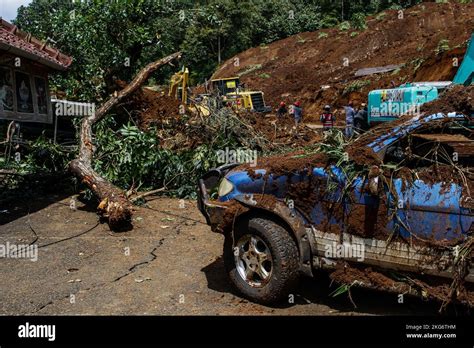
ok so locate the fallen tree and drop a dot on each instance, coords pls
(114, 204)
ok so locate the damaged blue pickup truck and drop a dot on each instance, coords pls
(407, 213)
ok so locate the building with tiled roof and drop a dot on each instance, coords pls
(25, 63)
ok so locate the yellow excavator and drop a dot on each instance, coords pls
(179, 86)
(179, 90)
(229, 91)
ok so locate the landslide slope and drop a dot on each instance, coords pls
(310, 66)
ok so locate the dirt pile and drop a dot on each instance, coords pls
(427, 288)
(281, 131)
(153, 108)
(318, 67)
(286, 164)
(182, 128)
(457, 98)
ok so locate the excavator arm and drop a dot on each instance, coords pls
(179, 84)
(465, 74)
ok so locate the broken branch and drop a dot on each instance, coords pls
(114, 205)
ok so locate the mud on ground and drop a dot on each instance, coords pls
(169, 264)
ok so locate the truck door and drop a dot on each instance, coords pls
(377, 215)
(436, 211)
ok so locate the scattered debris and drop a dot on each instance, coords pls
(422, 155)
(329, 57)
(377, 70)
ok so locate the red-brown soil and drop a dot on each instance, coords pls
(182, 130)
(153, 108)
(428, 288)
(309, 66)
(457, 98)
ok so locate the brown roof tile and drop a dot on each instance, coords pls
(24, 45)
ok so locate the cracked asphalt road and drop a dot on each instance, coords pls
(169, 264)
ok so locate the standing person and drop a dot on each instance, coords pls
(327, 118)
(297, 113)
(360, 119)
(350, 113)
(281, 111)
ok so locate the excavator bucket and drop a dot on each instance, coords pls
(465, 74)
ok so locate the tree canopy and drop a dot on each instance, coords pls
(112, 40)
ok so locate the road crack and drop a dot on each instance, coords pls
(130, 271)
(140, 264)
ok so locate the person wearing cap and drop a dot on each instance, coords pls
(282, 110)
(327, 118)
(350, 113)
(297, 113)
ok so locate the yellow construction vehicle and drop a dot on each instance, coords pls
(179, 90)
(233, 94)
(228, 91)
(179, 86)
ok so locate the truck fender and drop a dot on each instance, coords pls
(294, 220)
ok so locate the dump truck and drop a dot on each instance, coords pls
(386, 105)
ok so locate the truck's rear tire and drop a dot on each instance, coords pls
(263, 261)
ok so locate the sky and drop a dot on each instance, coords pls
(8, 8)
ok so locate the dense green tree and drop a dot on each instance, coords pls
(108, 40)
(112, 40)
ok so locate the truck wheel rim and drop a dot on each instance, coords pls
(253, 260)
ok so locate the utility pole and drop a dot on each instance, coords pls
(219, 48)
(342, 10)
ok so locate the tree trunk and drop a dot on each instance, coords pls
(219, 49)
(113, 203)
